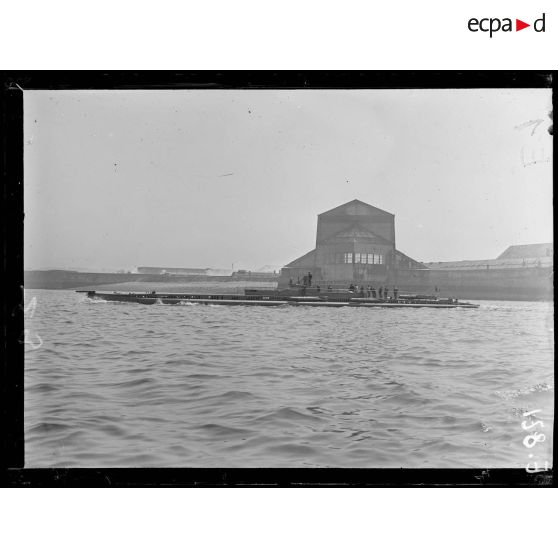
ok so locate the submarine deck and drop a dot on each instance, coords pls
(260, 298)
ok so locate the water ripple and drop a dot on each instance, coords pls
(119, 385)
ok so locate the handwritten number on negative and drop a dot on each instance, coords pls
(531, 439)
(526, 426)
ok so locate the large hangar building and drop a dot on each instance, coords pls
(355, 243)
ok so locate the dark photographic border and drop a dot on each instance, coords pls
(12, 375)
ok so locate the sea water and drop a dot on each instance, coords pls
(128, 385)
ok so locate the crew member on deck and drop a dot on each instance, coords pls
(395, 292)
(373, 292)
(386, 293)
(381, 291)
(309, 279)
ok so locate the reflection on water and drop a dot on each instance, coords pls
(125, 385)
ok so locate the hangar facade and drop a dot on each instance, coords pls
(355, 243)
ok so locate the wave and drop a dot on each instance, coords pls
(521, 392)
(133, 385)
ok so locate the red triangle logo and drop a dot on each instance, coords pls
(519, 25)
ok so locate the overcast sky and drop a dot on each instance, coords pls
(119, 179)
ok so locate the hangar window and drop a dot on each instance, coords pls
(376, 259)
(360, 258)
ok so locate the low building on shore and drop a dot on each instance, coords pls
(183, 271)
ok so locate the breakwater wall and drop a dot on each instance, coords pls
(482, 284)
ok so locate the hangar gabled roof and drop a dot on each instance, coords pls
(303, 260)
(355, 207)
(415, 263)
(356, 232)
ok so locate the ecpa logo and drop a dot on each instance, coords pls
(494, 24)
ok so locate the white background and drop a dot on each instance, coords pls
(272, 34)
(289, 34)
(307, 523)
